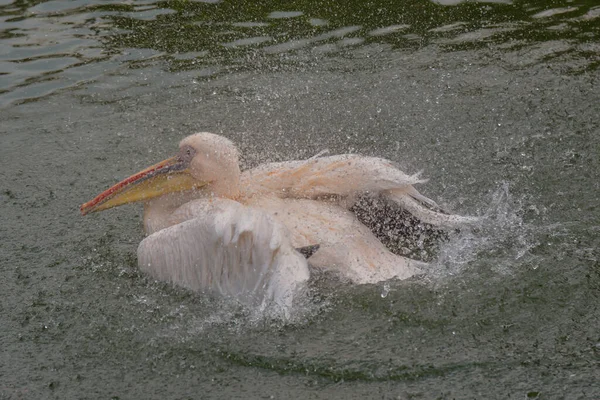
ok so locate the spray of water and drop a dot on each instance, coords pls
(219, 314)
(501, 236)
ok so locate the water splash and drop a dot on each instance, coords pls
(501, 236)
(208, 315)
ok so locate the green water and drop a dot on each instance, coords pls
(496, 102)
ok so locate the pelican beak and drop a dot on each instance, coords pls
(170, 175)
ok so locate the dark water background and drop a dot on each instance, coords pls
(498, 103)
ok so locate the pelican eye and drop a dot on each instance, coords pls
(187, 153)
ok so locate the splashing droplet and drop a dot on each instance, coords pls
(386, 290)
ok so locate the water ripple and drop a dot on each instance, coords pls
(58, 44)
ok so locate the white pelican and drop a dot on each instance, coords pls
(213, 228)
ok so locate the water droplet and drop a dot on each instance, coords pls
(386, 290)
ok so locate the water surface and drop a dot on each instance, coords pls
(496, 101)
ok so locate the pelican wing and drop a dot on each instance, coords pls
(341, 175)
(226, 248)
(346, 176)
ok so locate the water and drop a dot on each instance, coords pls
(495, 101)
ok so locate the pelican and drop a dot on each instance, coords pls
(251, 235)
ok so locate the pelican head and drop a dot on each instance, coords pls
(205, 161)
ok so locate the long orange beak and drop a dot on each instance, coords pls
(170, 175)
